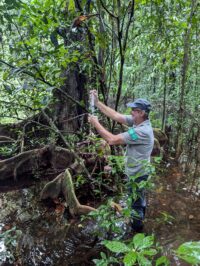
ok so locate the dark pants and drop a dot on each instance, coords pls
(138, 205)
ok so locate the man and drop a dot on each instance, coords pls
(139, 140)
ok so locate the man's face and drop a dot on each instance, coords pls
(138, 115)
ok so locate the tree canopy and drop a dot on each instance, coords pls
(127, 49)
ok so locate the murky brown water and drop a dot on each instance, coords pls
(50, 237)
(173, 213)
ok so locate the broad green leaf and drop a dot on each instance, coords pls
(100, 262)
(143, 261)
(71, 6)
(103, 255)
(162, 261)
(130, 258)
(150, 252)
(138, 240)
(116, 246)
(5, 75)
(190, 252)
(83, 3)
(141, 242)
(147, 242)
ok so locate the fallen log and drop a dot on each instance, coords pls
(34, 161)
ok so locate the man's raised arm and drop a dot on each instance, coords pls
(111, 113)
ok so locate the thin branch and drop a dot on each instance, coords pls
(128, 25)
(27, 48)
(72, 99)
(51, 123)
(21, 105)
(79, 6)
(46, 82)
(122, 48)
(123, 19)
(13, 117)
(105, 8)
(75, 117)
(29, 73)
(97, 66)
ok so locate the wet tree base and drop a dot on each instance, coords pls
(63, 183)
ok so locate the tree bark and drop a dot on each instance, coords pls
(64, 184)
(183, 82)
(36, 161)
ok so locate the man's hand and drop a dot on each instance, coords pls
(105, 134)
(92, 119)
(95, 95)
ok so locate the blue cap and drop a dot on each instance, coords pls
(141, 104)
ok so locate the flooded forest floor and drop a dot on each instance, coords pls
(34, 233)
(173, 212)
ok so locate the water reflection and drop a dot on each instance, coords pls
(53, 238)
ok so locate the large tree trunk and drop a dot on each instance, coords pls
(65, 110)
(67, 113)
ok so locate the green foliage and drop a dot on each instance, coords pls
(80, 180)
(117, 164)
(8, 242)
(165, 218)
(8, 150)
(10, 236)
(116, 246)
(104, 261)
(162, 261)
(139, 251)
(34, 54)
(190, 252)
(107, 220)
